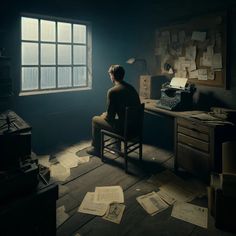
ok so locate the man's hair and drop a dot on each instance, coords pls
(118, 72)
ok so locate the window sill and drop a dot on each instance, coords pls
(52, 91)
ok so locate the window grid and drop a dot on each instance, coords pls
(72, 65)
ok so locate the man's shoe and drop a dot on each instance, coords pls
(93, 151)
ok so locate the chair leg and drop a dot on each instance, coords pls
(140, 151)
(102, 147)
(126, 156)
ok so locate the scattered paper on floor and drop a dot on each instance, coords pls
(114, 212)
(152, 203)
(67, 159)
(190, 213)
(88, 206)
(164, 196)
(83, 159)
(59, 172)
(109, 194)
(61, 215)
(44, 160)
(178, 192)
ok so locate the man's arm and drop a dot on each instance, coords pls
(111, 113)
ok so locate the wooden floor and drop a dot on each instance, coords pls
(135, 220)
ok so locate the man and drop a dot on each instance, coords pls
(120, 96)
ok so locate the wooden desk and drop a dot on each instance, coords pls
(197, 144)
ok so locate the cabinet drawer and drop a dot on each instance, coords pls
(193, 142)
(195, 126)
(194, 161)
(193, 133)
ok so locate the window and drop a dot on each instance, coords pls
(55, 55)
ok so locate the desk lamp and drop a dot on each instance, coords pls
(134, 60)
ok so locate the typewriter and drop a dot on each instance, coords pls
(176, 95)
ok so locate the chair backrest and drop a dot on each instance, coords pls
(133, 126)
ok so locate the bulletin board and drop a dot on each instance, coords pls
(195, 49)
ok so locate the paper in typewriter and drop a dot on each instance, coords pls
(178, 82)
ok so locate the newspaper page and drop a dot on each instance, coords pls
(115, 212)
(152, 203)
(190, 213)
(88, 206)
(109, 194)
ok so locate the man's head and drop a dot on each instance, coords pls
(116, 73)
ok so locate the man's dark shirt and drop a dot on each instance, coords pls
(119, 97)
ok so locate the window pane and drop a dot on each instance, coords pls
(79, 74)
(64, 77)
(64, 54)
(30, 54)
(64, 32)
(29, 78)
(48, 54)
(29, 28)
(48, 77)
(79, 55)
(48, 30)
(79, 33)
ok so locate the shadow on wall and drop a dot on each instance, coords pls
(204, 101)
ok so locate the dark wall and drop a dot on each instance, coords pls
(120, 30)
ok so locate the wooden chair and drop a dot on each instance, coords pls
(132, 135)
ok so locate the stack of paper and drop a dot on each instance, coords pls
(152, 203)
(105, 201)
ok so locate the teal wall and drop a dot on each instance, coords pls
(120, 30)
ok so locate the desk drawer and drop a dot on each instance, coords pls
(193, 133)
(193, 142)
(195, 126)
(193, 160)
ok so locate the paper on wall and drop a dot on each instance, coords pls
(202, 74)
(181, 36)
(190, 213)
(198, 36)
(217, 61)
(193, 74)
(174, 37)
(190, 53)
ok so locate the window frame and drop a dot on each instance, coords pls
(39, 42)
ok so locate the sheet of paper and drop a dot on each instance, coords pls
(193, 74)
(44, 160)
(152, 203)
(181, 36)
(192, 66)
(68, 159)
(191, 213)
(109, 194)
(202, 74)
(88, 206)
(164, 196)
(114, 212)
(198, 36)
(83, 159)
(178, 82)
(204, 116)
(165, 35)
(178, 192)
(217, 61)
(174, 37)
(59, 172)
(211, 75)
(61, 215)
(190, 53)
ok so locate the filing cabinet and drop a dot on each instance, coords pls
(150, 86)
(198, 145)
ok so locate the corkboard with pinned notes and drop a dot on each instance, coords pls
(195, 49)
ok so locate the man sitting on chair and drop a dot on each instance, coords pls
(120, 96)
